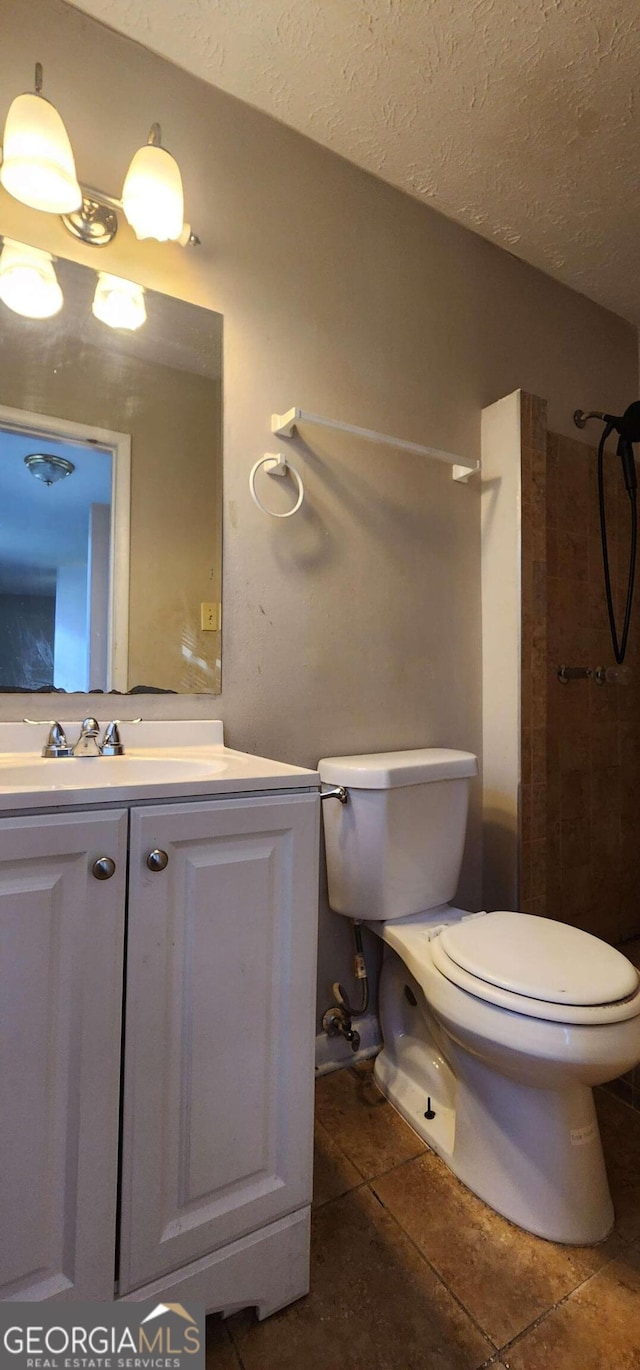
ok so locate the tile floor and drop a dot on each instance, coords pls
(409, 1271)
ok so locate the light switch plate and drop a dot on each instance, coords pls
(210, 616)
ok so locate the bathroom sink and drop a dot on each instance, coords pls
(99, 772)
(179, 759)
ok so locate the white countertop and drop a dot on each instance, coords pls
(163, 761)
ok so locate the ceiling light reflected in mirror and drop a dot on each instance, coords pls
(119, 303)
(48, 468)
(29, 286)
(28, 282)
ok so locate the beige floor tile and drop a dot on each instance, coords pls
(597, 1328)
(620, 1129)
(365, 1127)
(221, 1353)
(374, 1304)
(505, 1277)
(333, 1174)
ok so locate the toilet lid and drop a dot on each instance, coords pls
(538, 958)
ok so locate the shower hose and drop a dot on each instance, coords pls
(619, 643)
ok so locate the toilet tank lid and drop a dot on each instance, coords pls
(386, 770)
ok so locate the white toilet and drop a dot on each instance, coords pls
(495, 1025)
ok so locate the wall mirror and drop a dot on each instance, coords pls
(110, 497)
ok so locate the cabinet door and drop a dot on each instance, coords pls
(61, 939)
(218, 1102)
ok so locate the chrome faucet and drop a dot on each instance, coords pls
(87, 744)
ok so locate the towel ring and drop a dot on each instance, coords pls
(276, 465)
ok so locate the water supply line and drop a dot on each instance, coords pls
(337, 1021)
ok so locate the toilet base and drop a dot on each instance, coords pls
(534, 1155)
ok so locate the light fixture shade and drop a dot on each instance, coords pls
(119, 303)
(48, 468)
(152, 195)
(37, 162)
(28, 283)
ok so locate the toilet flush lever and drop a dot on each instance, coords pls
(338, 793)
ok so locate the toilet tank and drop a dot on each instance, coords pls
(395, 847)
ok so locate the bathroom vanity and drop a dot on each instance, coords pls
(158, 921)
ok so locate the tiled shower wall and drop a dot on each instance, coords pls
(579, 809)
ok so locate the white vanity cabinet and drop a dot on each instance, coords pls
(61, 943)
(212, 1176)
(217, 1136)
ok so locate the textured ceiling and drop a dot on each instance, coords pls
(517, 118)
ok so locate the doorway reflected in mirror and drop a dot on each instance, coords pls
(64, 554)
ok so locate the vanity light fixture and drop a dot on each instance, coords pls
(48, 468)
(28, 282)
(39, 170)
(37, 163)
(119, 303)
(152, 195)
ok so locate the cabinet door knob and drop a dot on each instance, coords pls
(157, 860)
(103, 868)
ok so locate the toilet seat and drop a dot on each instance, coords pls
(537, 967)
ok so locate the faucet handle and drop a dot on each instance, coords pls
(128, 721)
(111, 744)
(57, 744)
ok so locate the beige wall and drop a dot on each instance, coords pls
(173, 418)
(356, 625)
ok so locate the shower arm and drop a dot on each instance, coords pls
(581, 419)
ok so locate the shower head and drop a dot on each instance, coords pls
(629, 425)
